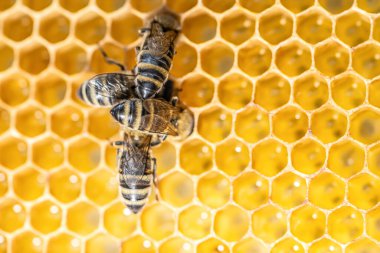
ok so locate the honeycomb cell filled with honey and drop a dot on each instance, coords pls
(284, 156)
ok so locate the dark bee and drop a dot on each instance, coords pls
(154, 57)
(137, 170)
(149, 116)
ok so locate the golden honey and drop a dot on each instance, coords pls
(285, 153)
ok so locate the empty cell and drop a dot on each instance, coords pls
(353, 28)
(138, 244)
(214, 124)
(63, 243)
(157, 221)
(336, 7)
(275, 26)
(288, 245)
(37, 5)
(250, 244)
(231, 223)
(218, 6)
(73, 5)
(177, 189)
(15, 215)
(48, 153)
(6, 4)
(308, 156)
(65, 185)
(18, 26)
(289, 190)
(13, 152)
(101, 243)
(27, 241)
(185, 60)
(297, 6)
(232, 157)
(110, 6)
(46, 216)
(235, 91)
(166, 156)
(119, 220)
(369, 6)
(54, 27)
(84, 154)
(314, 26)
(101, 124)
(254, 58)
(180, 6)
(146, 5)
(124, 28)
(213, 245)
(366, 60)
(325, 245)
(67, 121)
(70, 59)
(82, 218)
(365, 125)
(199, 27)
(29, 184)
(364, 191)
(196, 157)
(34, 58)
(348, 91)
(197, 91)
(331, 58)
(90, 28)
(7, 58)
(14, 89)
(214, 189)
(176, 244)
(257, 6)
(363, 245)
(252, 124)
(31, 121)
(217, 59)
(195, 222)
(237, 27)
(101, 187)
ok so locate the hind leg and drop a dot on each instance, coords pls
(109, 60)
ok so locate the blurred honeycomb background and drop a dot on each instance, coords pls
(285, 157)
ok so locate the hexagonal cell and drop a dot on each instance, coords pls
(197, 91)
(214, 124)
(146, 5)
(314, 26)
(218, 6)
(237, 27)
(254, 58)
(176, 244)
(37, 5)
(373, 159)
(326, 190)
(124, 28)
(297, 7)
(308, 156)
(70, 59)
(102, 242)
(195, 222)
(3, 183)
(235, 91)
(275, 26)
(373, 94)
(353, 28)
(231, 223)
(214, 189)
(348, 91)
(177, 189)
(232, 157)
(196, 157)
(325, 245)
(179, 6)
(328, 124)
(258, 6)
(84, 154)
(13, 152)
(54, 27)
(29, 184)
(82, 218)
(366, 60)
(289, 190)
(65, 185)
(364, 191)
(27, 241)
(217, 59)
(6, 4)
(101, 187)
(90, 28)
(166, 157)
(157, 221)
(50, 90)
(5, 120)
(250, 190)
(269, 157)
(331, 58)
(45, 216)
(7, 56)
(185, 60)
(272, 91)
(307, 223)
(31, 121)
(269, 223)
(288, 245)
(346, 158)
(311, 91)
(119, 220)
(290, 124)
(101, 124)
(369, 6)
(18, 26)
(252, 124)
(67, 121)
(249, 245)
(213, 245)
(34, 58)
(363, 245)
(14, 89)
(372, 222)
(345, 224)
(293, 58)
(73, 5)
(98, 63)
(48, 153)
(364, 126)
(110, 6)
(199, 27)
(64, 242)
(334, 6)
(138, 244)
(15, 215)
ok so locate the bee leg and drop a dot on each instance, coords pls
(109, 60)
(155, 181)
(174, 101)
(143, 30)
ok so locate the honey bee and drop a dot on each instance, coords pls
(155, 55)
(137, 170)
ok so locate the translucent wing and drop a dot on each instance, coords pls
(161, 108)
(116, 85)
(156, 124)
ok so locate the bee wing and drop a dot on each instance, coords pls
(111, 84)
(160, 108)
(156, 124)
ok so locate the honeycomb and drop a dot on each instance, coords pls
(284, 158)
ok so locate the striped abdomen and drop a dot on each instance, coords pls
(89, 95)
(135, 193)
(152, 71)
